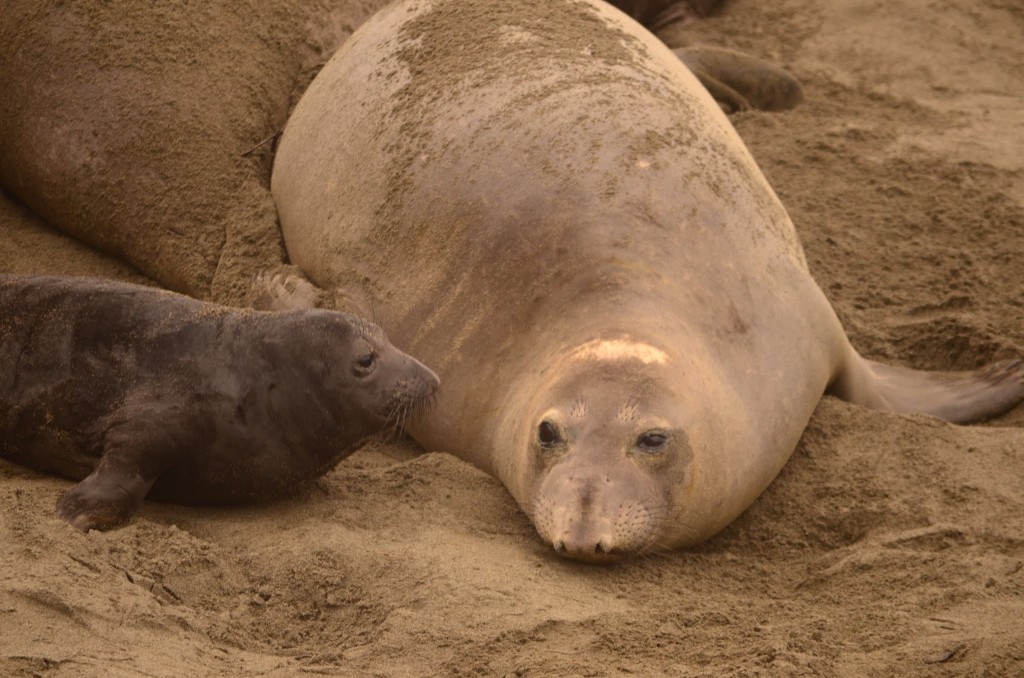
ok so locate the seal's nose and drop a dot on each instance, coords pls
(583, 548)
(425, 380)
(430, 379)
(597, 546)
(578, 514)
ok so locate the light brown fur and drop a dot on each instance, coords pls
(560, 264)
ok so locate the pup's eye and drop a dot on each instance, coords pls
(651, 442)
(364, 364)
(547, 434)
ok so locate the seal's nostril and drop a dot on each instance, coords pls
(600, 548)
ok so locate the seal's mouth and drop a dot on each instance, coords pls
(599, 554)
(407, 400)
(626, 529)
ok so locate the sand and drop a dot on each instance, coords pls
(887, 546)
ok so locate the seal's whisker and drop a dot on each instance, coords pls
(661, 551)
(395, 421)
(398, 425)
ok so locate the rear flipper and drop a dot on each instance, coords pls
(664, 13)
(739, 81)
(959, 397)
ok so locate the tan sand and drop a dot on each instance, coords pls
(888, 545)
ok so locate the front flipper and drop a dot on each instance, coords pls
(739, 81)
(287, 289)
(959, 397)
(106, 498)
(143, 438)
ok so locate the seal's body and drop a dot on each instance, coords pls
(130, 388)
(544, 204)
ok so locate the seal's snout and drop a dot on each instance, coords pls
(591, 529)
(411, 389)
(427, 377)
(419, 382)
(596, 548)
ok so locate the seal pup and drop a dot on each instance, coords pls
(139, 392)
(540, 201)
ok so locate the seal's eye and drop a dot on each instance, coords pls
(547, 434)
(651, 442)
(364, 364)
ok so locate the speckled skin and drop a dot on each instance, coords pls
(139, 392)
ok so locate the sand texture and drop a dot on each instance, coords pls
(888, 545)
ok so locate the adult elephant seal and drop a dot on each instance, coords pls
(133, 391)
(539, 200)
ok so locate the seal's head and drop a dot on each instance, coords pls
(609, 453)
(356, 367)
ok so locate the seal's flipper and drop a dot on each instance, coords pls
(739, 81)
(142, 439)
(283, 290)
(959, 397)
(107, 497)
(287, 289)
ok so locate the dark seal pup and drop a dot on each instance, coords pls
(542, 202)
(140, 392)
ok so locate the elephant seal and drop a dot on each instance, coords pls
(140, 392)
(539, 200)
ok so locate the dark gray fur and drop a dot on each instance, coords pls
(140, 392)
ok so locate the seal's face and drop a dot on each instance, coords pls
(607, 454)
(367, 377)
(398, 382)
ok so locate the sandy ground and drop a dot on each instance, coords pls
(887, 546)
